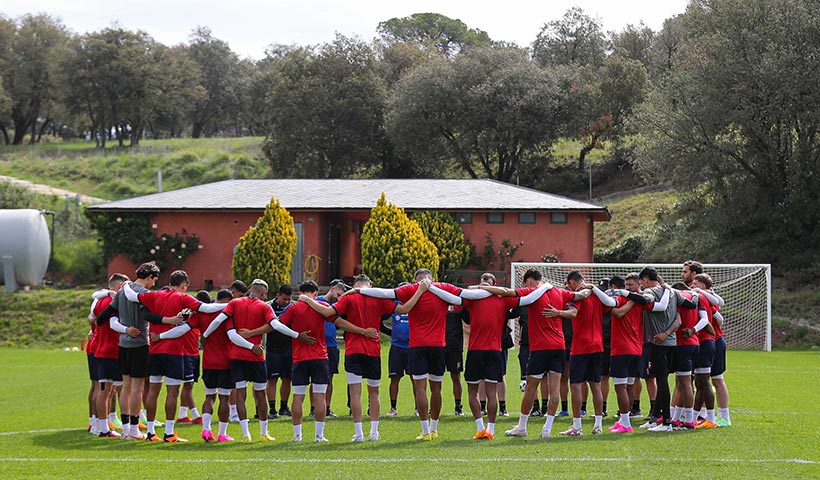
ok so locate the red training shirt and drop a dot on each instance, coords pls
(301, 317)
(627, 331)
(428, 318)
(247, 313)
(106, 341)
(688, 319)
(546, 333)
(216, 352)
(364, 312)
(167, 303)
(587, 327)
(487, 319)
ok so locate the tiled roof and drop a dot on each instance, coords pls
(305, 194)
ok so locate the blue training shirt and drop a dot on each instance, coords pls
(330, 327)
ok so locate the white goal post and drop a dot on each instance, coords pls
(747, 290)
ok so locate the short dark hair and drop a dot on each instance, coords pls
(362, 279)
(425, 272)
(286, 290)
(575, 275)
(204, 297)
(694, 266)
(631, 276)
(488, 277)
(705, 279)
(224, 294)
(680, 286)
(603, 284)
(618, 281)
(649, 273)
(177, 278)
(117, 278)
(239, 286)
(147, 269)
(309, 287)
(338, 283)
(532, 274)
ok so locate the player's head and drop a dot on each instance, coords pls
(115, 281)
(309, 288)
(259, 289)
(224, 296)
(179, 279)
(532, 278)
(238, 289)
(337, 288)
(149, 273)
(617, 281)
(487, 278)
(680, 286)
(632, 282)
(648, 277)
(284, 295)
(574, 280)
(704, 281)
(203, 296)
(362, 281)
(421, 274)
(690, 269)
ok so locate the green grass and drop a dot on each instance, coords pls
(774, 435)
(631, 216)
(117, 173)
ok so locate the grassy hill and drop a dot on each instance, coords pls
(118, 173)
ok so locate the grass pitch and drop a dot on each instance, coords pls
(43, 414)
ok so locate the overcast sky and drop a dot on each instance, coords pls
(249, 26)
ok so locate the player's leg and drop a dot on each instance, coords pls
(436, 367)
(473, 402)
(286, 373)
(721, 390)
(375, 404)
(353, 369)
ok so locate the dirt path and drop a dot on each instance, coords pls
(48, 190)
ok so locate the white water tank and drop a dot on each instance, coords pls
(24, 237)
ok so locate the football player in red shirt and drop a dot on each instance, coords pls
(363, 352)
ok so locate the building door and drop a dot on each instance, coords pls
(297, 272)
(333, 251)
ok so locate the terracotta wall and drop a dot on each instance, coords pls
(219, 232)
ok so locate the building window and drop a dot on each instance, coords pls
(526, 217)
(463, 217)
(558, 217)
(495, 217)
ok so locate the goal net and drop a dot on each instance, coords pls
(745, 288)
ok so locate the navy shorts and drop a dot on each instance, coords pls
(217, 379)
(397, 361)
(191, 368)
(109, 369)
(605, 360)
(364, 366)
(280, 364)
(94, 370)
(624, 366)
(483, 365)
(719, 364)
(706, 355)
(333, 360)
(166, 365)
(134, 361)
(311, 372)
(248, 371)
(645, 359)
(523, 357)
(426, 361)
(686, 358)
(585, 367)
(542, 362)
(454, 361)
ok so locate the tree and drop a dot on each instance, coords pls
(491, 110)
(5, 110)
(736, 125)
(575, 39)
(446, 35)
(394, 247)
(266, 250)
(448, 237)
(220, 74)
(30, 73)
(635, 43)
(325, 112)
(667, 45)
(602, 98)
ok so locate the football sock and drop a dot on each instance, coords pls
(625, 420)
(482, 402)
(433, 425)
(320, 429)
(576, 423)
(206, 421)
(502, 405)
(636, 405)
(374, 427)
(263, 427)
(195, 413)
(169, 427)
(583, 406)
(283, 404)
(563, 405)
(723, 413)
(393, 403)
(479, 424)
(522, 421)
(233, 410)
(297, 430)
(548, 423)
(604, 406)
(425, 427)
(271, 404)
(246, 432)
(183, 412)
(357, 426)
(223, 429)
(599, 421)
(710, 415)
(151, 428)
(491, 428)
(651, 406)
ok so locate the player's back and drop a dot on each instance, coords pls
(302, 318)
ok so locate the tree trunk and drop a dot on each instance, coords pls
(584, 151)
(43, 129)
(6, 138)
(136, 133)
(197, 130)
